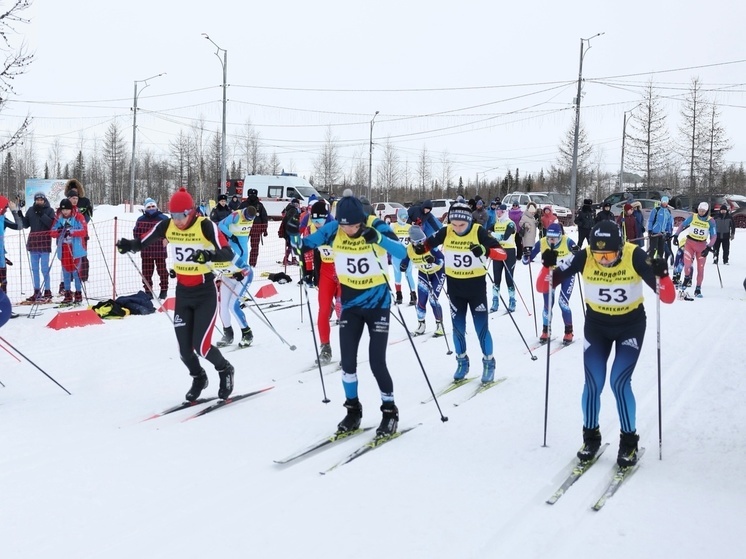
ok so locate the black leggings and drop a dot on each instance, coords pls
(351, 324)
(194, 318)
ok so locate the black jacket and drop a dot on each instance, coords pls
(585, 217)
(39, 219)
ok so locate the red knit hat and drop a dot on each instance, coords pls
(181, 201)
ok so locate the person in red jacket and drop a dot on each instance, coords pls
(613, 272)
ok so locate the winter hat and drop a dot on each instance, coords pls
(249, 212)
(587, 202)
(724, 207)
(72, 192)
(515, 205)
(703, 206)
(181, 201)
(402, 214)
(427, 205)
(39, 196)
(664, 199)
(531, 210)
(319, 210)
(627, 207)
(607, 204)
(350, 209)
(605, 237)
(554, 231)
(416, 234)
(66, 204)
(502, 207)
(222, 197)
(312, 198)
(480, 203)
(460, 212)
(149, 202)
(3, 203)
(547, 209)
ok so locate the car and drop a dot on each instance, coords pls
(648, 205)
(635, 193)
(441, 207)
(564, 215)
(683, 202)
(387, 210)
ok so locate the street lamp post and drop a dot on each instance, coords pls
(624, 136)
(134, 136)
(370, 159)
(224, 63)
(574, 172)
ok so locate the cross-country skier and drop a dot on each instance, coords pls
(701, 236)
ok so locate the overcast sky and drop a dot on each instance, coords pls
(490, 84)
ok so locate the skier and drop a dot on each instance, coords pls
(563, 245)
(430, 279)
(70, 230)
(464, 245)
(318, 269)
(359, 243)
(504, 232)
(237, 275)
(701, 227)
(613, 273)
(196, 241)
(401, 230)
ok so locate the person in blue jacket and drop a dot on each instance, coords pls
(660, 228)
(422, 214)
(360, 243)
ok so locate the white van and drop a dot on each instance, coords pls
(276, 191)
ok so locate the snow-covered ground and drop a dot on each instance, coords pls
(81, 476)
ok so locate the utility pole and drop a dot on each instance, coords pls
(224, 63)
(134, 136)
(370, 159)
(574, 172)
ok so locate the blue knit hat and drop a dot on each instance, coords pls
(554, 230)
(349, 209)
(149, 202)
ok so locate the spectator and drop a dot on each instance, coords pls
(726, 230)
(628, 224)
(640, 219)
(259, 227)
(491, 215)
(547, 218)
(605, 214)
(479, 215)
(660, 228)
(235, 203)
(70, 230)
(515, 214)
(584, 219)
(153, 257)
(82, 205)
(39, 218)
(527, 226)
(5, 223)
(421, 214)
(291, 213)
(221, 210)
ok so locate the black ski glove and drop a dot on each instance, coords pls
(128, 245)
(477, 250)
(371, 235)
(429, 259)
(527, 252)
(660, 267)
(549, 258)
(675, 240)
(202, 256)
(419, 248)
(706, 251)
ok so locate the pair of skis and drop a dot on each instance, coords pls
(450, 387)
(327, 442)
(620, 475)
(211, 408)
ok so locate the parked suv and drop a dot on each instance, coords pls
(387, 210)
(621, 196)
(541, 200)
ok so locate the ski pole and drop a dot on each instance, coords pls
(9, 353)
(266, 321)
(443, 418)
(432, 297)
(533, 299)
(582, 299)
(550, 303)
(717, 267)
(6, 342)
(315, 344)
(658, 342)
(103, 256)
(515, 285)
(502, 300)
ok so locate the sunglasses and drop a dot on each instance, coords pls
(180, 216)
(605, 256)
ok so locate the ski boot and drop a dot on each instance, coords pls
(412, 298)
(399, 298)
(389, 421)
(247, 336)
(511, 299)
(715, 259)
(47, 297)
(567, 338)
(488, 369)
(420, 328)
(78, 297)
(438, 330)
(591, 444)
(627, 449)
(68, 298)
(227, 338)
(35, 297)
(698, 292)
(687, 281)
(62, 289)
(199, 383)
(163, 294)
(495, 299)
(676, 279)
(463, 367)
(544, 338)
(325, 354)
(226, 381)
(351, 421)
